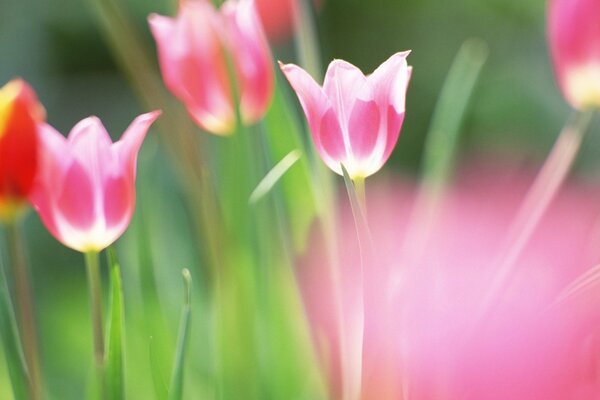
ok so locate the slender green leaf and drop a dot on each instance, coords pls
(161, 390)
(443, 135)
(176, 386)
(115, 385)
(283, 135)
(12, 345)
(274, 175)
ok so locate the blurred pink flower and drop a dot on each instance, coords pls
(574, 36)
(192, 51)
(85, 189)
(278, 17)
(354, 120)
(423, 338)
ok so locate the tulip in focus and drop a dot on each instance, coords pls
(193, 51)
(85, 190)
(423, 338)
(20, 112)
(354, 120)
(574, 36)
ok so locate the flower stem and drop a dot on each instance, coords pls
(95, 290)
(359, 187)
(24, 300)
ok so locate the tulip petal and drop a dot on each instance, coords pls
(252, 57)
(90, 144)
(343, 84)
(119, 199)
(363, 129)
(312, 98)
(193, 64)
(76, 199)
(394, 124)
(128, 146)
(331, 143)
(54, 160)
(390, 81)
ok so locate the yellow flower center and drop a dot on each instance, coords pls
(583, 86)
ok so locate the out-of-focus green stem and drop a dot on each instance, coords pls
(307, 47)
(92, 263)
(11, 343)
(450, 111)
(26, 315)
(359, 187)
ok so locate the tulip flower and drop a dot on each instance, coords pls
(20, 111)
(354, 119)
(574, 37)
(193, 51)
(85, 189)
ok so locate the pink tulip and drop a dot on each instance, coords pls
(354, 120)
(192, 52)
(574, 36)
(85, 189)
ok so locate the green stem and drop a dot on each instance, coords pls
(92, 262)
(359, 187)
(24, 300)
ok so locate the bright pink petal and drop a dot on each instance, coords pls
(363, 129)
(331, 144)
(90, 144)
(250, 50)
(390, 81)
(76, 200)
(312, 98)
(193, 64)
(394, 124)
(119, 202)
(128, 146)
(54, 160)
(343, 84)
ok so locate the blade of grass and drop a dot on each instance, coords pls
(114, 375)
(301, 197)
(11, 343)
(450, 111)
(161, 391)
(274, 175)
(176, 386)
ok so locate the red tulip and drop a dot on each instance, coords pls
(20, 111)
(574, 36)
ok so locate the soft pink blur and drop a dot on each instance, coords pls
(193, 49)
(354, 120)
(574, 36)
(423, 339)
(85, 189)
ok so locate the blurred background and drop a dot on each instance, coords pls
(56, 45)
